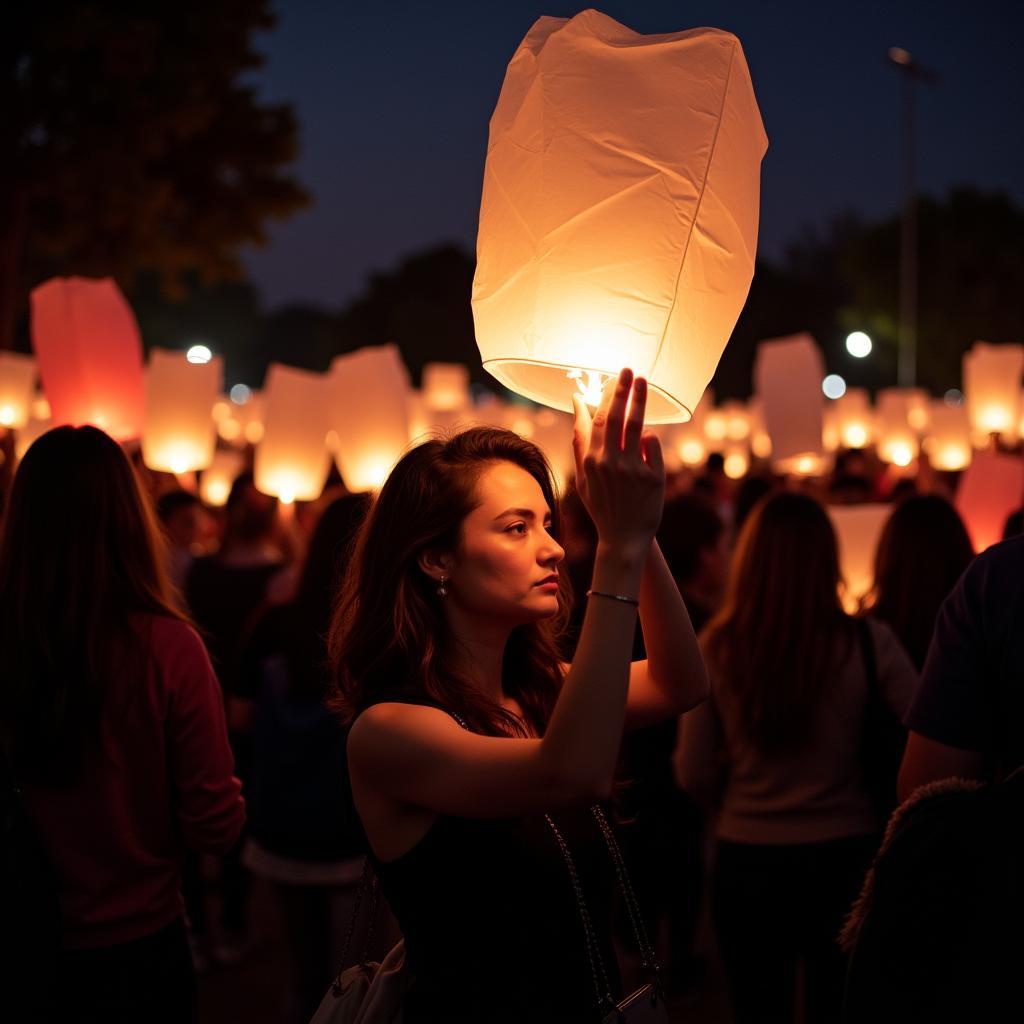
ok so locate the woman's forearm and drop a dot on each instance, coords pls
(674, 662)
(583, 736)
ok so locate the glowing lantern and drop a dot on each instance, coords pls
(240, 423)
(292, 460)
(760, 442)
(180, 435)
(736, 462)
(716, 428)
(830, 427)
(17, 381)
(787, 376)
(992, 378)
(618, 222)
(897, 441)
(90, 355)
(737, 421)
(688, 441)
(990, 489)
(552, 433)
(216, 480)
(446, 387)
(854, 418)
(369, 412)
(858, 528)
(918, 406)
(948, 442)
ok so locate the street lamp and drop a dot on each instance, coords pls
(906, 371)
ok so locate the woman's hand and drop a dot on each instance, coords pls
(620, 473)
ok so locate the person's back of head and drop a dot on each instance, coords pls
(922, 552)
(692, 538)
(250, 516)
(389, 633)
(781, 628)
(80, 553)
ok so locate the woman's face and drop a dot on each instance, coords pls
(507, 563)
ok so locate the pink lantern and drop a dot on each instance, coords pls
(990, 489)
(87, 343)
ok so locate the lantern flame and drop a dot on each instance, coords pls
(7, 416)
(592, 389)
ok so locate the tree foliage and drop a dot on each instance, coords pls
(132, 142)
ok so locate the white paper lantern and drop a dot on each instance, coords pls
(787, 376)
(218, 477)
(179, 435)
(369, 412)
(897, 441)
(854, 418)
(618, 223)
(858, 529)
(292, 460)
(17, 383)
(736, 463)
(948, 441)
(446, 387)
(992, 386)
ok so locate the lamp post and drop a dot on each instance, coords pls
(906, 366)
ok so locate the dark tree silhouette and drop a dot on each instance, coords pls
(130, 141)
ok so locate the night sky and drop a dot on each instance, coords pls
(393, 103)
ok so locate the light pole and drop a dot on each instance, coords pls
(906, 365)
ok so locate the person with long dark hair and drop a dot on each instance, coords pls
(923, 550)
(474, 752)
(778, 752)
(112, 723)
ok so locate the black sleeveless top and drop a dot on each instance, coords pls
(491, 924)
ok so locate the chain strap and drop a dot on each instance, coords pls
(602, 988)
(636, 920)
(367, 883)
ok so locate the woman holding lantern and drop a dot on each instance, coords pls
(475, 753)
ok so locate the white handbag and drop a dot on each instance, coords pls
(368, 993)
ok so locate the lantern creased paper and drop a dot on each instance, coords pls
(618, 223)
(292, 460)
(90, 355)
(180, 434)
(787, 377)
(17, 382)
(369, 411)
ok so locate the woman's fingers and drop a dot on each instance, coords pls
(617, 412)
(635, 418)
(581, 429)
(599, 423)
(650, 446)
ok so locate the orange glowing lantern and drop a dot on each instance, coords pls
(17, 383)
(180, 435)
(948, 442)
(90, 355)
(992, 385)
(370, 414)
(854, 418)
(446, 387)
(216, 480)
(990, 489)
(737, 460)
(760, 442)
(787, 375)
(552, 433)
(292, 460)
(858, 529)
(897, 441)
(618, 223)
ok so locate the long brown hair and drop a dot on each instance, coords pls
(80, 552)
(923, 550)
(781, 630)
(389, 637)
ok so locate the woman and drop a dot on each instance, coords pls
(451, 608)
(112, 721)
(923, 551)
(778, 752)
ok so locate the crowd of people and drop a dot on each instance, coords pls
(465, 679)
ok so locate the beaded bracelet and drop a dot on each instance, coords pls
(614, 597)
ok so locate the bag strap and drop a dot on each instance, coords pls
(368, 884)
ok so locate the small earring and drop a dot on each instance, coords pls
(442, 590)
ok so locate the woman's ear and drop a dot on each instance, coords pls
(436, 563)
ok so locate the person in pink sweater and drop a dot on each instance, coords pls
(112, 722)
